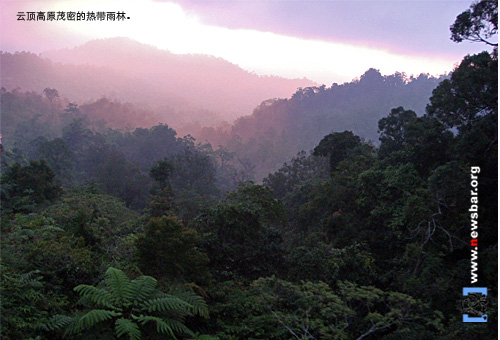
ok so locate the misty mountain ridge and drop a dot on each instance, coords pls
(203, 81)
(279, 128)
(183, 89)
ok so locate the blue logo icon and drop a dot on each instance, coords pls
(474, 304)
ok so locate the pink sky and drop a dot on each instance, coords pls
(327, 41)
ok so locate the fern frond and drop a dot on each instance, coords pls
(165, 304)
(162, 326)
(93, 317)
(31, 279)
(198, 304)
(125, 326)
(55, 322)
(142, 289)
(117, 282)
(71, 328)
(96, 295)
(178, 326)
(51, 228)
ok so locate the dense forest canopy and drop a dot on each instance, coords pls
(113, 231)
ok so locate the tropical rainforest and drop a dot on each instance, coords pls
(338, 213)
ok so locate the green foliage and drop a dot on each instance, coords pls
(319, 260)
(161, 172)
(260, 200)
(302, 310)
(194, 170)
(392, 130)
(383, 312)
(162, 200)
(469, 96)
(198, 336)
(56, 322)
(97, 296)
(147, 146)
(337, 146)
(469, 103)
(27, 304)
(170, 251)
(161, 203)
(272, 308)
(58, 155)
(102, 221)
(26, 116)
(134, 308)
(33, 183)
(239, 243)
(127, 327)
(301, 170)
(35, 242)
(92, 318)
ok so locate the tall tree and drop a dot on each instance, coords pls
(337, 146)
(470, 95)
(29, 184)
(170, 251)
(478, 24)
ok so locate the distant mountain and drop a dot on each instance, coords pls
(87, 83)
(279, 128)
(204, 81)
(183, 89)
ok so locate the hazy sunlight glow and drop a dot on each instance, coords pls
(168, 26)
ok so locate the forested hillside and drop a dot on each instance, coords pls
(139, 233)
(279, 128)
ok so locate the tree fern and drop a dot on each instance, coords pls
(135, 303)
